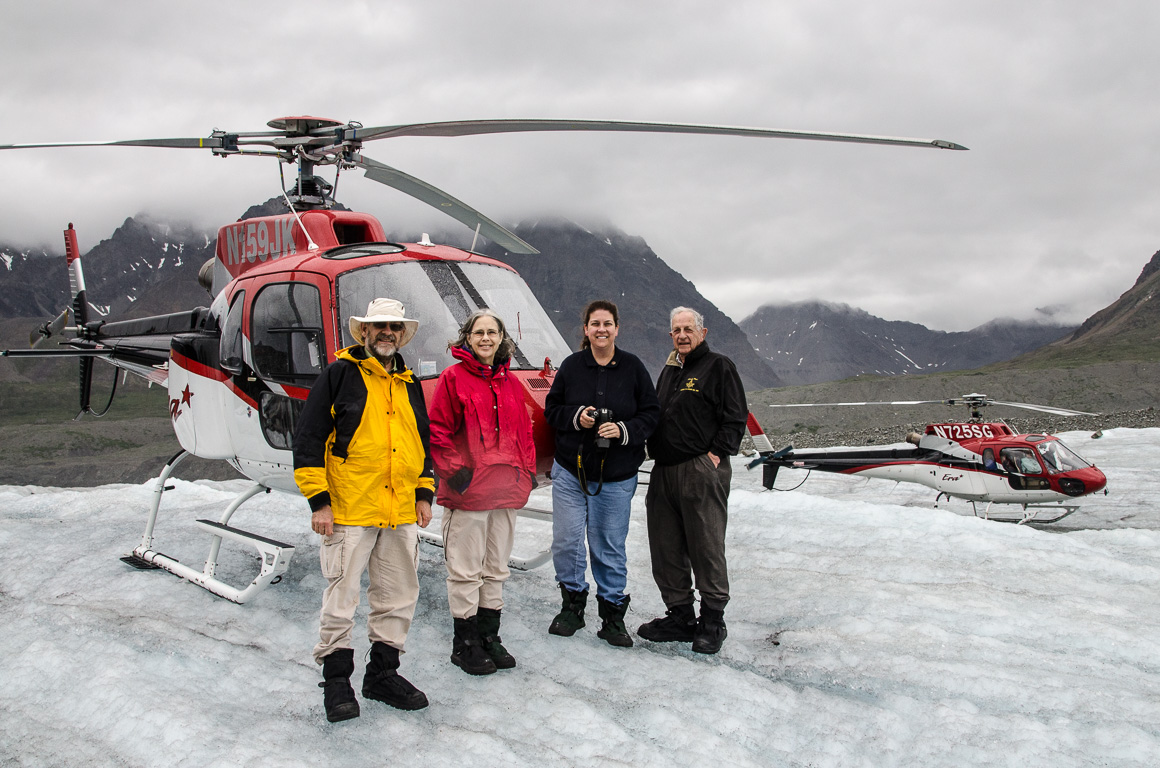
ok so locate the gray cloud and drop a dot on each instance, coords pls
(1055, 204)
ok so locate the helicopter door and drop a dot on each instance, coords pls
(1023, 469)
(287, 352)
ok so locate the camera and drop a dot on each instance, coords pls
(601, 416)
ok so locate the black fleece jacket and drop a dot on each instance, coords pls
(625, 387)
(702, 408)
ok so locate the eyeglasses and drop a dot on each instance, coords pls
(490, 333)
(396, 327)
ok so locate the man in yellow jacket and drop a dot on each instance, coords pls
(362, 458)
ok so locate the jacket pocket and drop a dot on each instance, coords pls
(332, 555)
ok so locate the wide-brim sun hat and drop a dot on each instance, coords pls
(385, 311)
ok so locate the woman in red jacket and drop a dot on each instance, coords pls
(481, 443)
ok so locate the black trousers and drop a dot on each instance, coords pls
(687, 513)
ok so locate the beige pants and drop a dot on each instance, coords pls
(391, 555)
(476, 548)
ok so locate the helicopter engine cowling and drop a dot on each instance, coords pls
(205, 275)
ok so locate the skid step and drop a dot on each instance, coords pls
(139, 562)
(273, 555)
(218, 529)
(275, 559)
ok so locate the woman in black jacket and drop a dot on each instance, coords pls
(604, 407)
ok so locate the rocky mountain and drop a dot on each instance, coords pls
(143, 268)
(1109, 366)
(1126, 330)
(26, 287)
(811, 342)
(577, 265)
(147, 268)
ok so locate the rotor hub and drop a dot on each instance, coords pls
(302, 125)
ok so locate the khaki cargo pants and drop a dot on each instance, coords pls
(391, 556)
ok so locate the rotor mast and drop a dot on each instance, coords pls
(306, 142)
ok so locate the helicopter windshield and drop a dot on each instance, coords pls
(441, 294)
(1057, 457)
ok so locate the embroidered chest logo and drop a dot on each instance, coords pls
(690, 385)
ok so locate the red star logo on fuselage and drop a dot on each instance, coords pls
(186, 396)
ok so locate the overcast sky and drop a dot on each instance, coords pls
(1055, 205)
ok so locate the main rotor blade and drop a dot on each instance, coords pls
(211, 142)
(1044, 409)
(440, 200)
(476, 127)
(984, 401)
(877, 402)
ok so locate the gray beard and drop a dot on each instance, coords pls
(384, 359)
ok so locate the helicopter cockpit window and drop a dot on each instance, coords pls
(1021, 460)
(441, 294)
(1057, 457)
(1025, 474)
(286, 333)
(230, 349)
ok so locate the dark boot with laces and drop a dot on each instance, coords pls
(382, 681)
(337, 695)
(488, 621)
(678, 625)
(711, 630)
(571, 615)
(612, 629)
(467, 649)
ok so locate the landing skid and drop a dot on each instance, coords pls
(275, 555)
(1031, 512)
(516, 562)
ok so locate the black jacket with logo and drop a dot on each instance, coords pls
(702, 408)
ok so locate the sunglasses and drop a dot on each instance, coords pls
(396, 327)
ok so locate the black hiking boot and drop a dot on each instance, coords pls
(488, 621)
(337, 695)
(382, 681)
(678, 625)
(467, 649)
(612, 627)
(711, 630)
(571, 615)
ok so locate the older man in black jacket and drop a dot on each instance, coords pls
(703, 413)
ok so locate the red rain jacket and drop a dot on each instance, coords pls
(480, 420)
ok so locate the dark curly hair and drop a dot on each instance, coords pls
(599, 304)
(503, 351)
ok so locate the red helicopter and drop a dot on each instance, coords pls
(980, 462)
(239, 371)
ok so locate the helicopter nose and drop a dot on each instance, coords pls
(1095, 479)
(1081, 482)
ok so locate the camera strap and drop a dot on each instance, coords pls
(582, 477)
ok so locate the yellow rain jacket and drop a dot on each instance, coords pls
(362, 444)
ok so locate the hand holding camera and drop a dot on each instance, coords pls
(606, 427)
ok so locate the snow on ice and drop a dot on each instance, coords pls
(865, 629)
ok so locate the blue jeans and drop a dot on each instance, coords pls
(605, 516)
